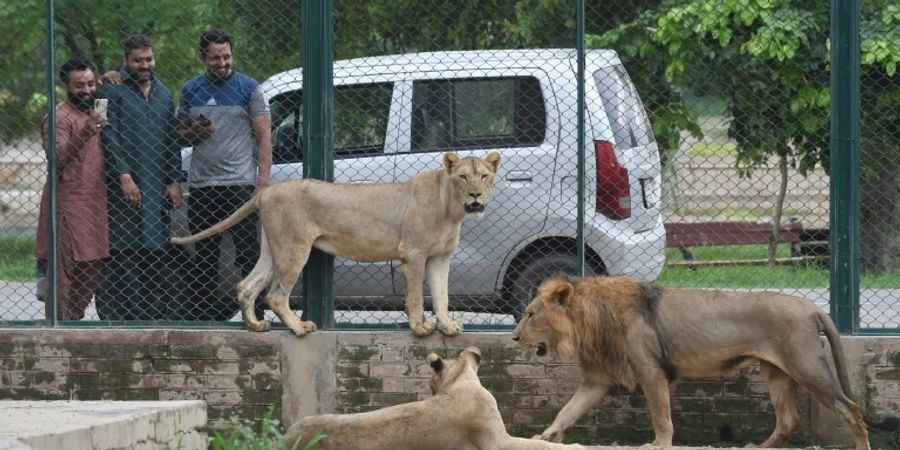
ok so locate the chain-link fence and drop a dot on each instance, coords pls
(706, 148)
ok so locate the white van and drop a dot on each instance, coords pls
(394, 116)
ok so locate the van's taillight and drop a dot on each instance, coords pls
(613, 190)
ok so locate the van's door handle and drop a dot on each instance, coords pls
(518, 176)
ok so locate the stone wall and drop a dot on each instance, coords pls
(243, 374)
(237, 373)
(379, 370)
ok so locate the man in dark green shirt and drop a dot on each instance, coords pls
(143, 161)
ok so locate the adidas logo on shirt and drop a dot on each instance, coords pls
(211, 102)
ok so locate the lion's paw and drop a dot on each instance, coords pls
(549, 436)
(422, 328)
(449, 328)
(304, 328)
(259, 326)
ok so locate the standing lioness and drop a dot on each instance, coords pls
(416, 222)
(624, 332)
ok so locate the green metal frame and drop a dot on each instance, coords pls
(579, 48)
(844, 211)
(318, 132)
(52, 263)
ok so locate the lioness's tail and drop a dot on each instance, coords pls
(837, 351)
(245, 210)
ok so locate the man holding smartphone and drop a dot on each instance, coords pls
(223, 115)
(144, 167)
(82, 233)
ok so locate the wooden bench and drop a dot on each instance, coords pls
(804, 242)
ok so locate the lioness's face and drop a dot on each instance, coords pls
(444, 372)
(546, 326)
(472, 178)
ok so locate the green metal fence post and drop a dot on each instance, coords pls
(844, 211)
(579, 44)
(318, 162)
(52, 262)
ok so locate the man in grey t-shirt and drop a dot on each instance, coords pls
(224, 116)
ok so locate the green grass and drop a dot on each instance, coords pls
(784, 276)
(707, 149)
(725, 252)
(17, 260)
(241, 435)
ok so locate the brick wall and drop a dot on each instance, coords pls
(237, 373)
(243, 374)
(378, 370)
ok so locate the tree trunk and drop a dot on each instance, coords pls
(879, 218)
(779, 209)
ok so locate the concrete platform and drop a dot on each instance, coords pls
(102, 425)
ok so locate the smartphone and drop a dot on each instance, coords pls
(100, 105)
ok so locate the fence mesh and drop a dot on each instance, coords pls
(706, 147)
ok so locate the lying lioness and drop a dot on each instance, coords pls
(624, 332)
(416, 222)
(461, 415)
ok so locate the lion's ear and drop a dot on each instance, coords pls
(493, 160)
(561, 293)
(436, 363)
(475, 352)
(451, 159)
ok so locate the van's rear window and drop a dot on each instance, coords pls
(623, 107)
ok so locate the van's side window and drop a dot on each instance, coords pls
(477, 113)
(360, 122)
(360, 119)
(286, 110)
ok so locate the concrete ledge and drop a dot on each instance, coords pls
(102, 425)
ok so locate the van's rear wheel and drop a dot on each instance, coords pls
(524, 286)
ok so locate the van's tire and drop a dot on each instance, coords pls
(529, 277)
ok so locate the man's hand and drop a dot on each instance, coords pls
(130, 191)
(93, 124)
(193, 130)
(202, 127)
(173, 194)
(112, 77)
(261, 183)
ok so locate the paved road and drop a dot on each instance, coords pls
(18, 302)
(880, 308)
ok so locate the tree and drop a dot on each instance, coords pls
(771, 61)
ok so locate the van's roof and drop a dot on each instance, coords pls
(451, 60)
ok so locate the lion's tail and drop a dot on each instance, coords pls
(837, 351)
(245, 210)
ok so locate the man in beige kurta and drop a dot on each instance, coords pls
(83, 232)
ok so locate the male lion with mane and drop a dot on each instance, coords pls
(624, 332)
(416, 222)
(460, 415)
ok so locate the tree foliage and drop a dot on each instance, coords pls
(770, 60)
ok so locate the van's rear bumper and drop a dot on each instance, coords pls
(641, 255)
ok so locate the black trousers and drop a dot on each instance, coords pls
(206, 207)
(133, 286)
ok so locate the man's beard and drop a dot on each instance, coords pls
(83, 103)
(141, 77)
